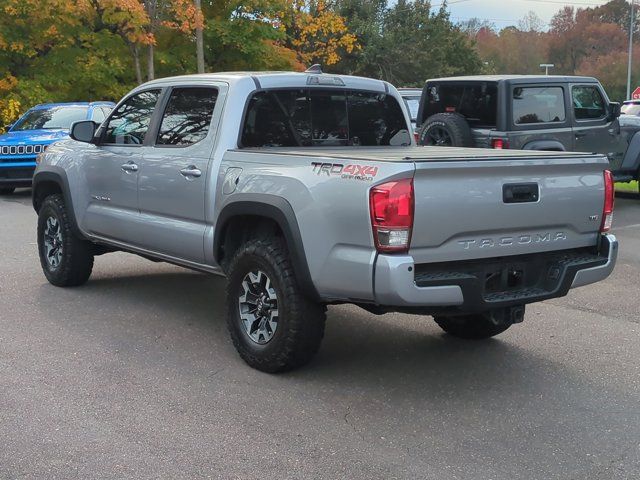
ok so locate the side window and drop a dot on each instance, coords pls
(538, 105)
(187, 117)
(588, 103)
(130, 121)
(413, 104)
(97, 115)
(374, 118)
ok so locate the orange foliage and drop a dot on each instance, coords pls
(319, 34)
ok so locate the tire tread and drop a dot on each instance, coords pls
(77, 260)
(305, 319)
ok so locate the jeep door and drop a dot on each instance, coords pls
(111, 170)
(593, 128)
(174, 172)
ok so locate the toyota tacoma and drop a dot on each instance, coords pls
(307, 189)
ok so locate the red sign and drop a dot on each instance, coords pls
(636, 94)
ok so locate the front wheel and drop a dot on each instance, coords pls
(66, 260)
(482, 325)
(274, 327)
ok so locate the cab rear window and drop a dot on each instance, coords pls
(323, 117)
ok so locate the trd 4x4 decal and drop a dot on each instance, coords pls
(352, 171)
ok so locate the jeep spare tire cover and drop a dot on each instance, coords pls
(446, 130)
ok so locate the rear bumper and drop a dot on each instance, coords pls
(492, 283)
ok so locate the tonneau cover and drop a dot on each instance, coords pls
(422, 154)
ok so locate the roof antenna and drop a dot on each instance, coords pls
(315, 68)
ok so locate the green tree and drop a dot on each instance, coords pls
(415, 44)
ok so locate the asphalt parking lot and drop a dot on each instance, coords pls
(133, 376)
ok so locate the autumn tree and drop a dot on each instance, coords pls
(66, 49)
(318, 34)
(247, 35)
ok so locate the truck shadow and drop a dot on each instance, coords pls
(393, 354)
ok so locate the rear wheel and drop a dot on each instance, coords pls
(274, 327)
(66, 260)
(7, 190)
(482, 325)
(446, 130)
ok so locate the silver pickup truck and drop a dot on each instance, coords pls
(307, 189)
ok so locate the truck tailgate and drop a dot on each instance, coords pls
(470, 208)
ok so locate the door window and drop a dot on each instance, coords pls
(187, 116)
(588, 103)
(413, 104)
(130, 121)
(538, 105)
(316, 117)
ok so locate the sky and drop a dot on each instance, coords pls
(507, 12)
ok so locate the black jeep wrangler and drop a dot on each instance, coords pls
(530, 113)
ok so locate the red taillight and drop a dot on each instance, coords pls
(499, 144)
(609, 200)
(391, 206)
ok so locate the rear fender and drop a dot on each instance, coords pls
(279, 210)
(631, 162)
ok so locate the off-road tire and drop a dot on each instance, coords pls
(7, 190)
(474, 327)
(454, 124)
(300, 326)
(77, 256)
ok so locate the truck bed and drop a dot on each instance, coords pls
(461, 207)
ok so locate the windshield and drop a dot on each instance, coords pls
(631, 108)
(51, 118)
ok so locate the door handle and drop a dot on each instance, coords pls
(520, 193)
(580, 134)
(191, 171)
(129, 167)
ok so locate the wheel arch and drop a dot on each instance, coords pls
(548, 145)
(265, 208)
(47, 183)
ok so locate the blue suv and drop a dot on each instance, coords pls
(32, 133)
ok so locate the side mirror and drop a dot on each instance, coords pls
(10, 126)
(83, 131)
(614, 109)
